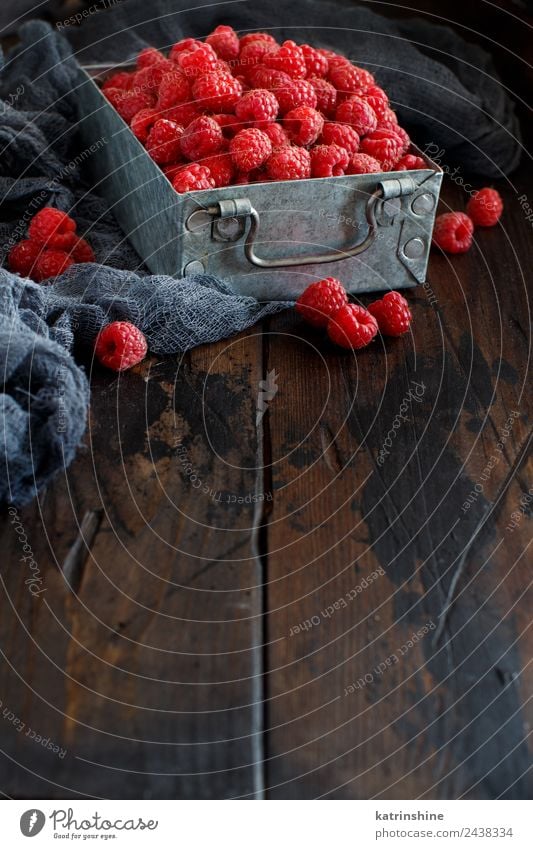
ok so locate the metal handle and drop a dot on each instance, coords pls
(240, 207)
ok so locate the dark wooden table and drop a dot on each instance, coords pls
(232, 610)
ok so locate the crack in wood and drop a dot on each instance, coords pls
(74, 562)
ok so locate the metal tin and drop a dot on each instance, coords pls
(269, 240)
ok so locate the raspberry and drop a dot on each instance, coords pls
(174, 89)
(22, 257)
(303, 125)
(151, 77)
(51, 263)
(268, 78)
(128, 103)
(252, 55)
(341, 134)
(193, 178)
(220, 168)
(321, 300)
(362, 163)
(326, 96)
(123, 80)
(349, 78)
(82, 252)
(288, 58)
(289, 163)
(120, 345)
(258, 36)
(376, 97)
(229, 124)
(201, 60)
(186, 45)
(182, 114)
(388, 119)
(217, 92)
(383, 145)
(409, 162)
(249, 149)
(277, 135)
(392, 314)
(404, 138)
(149, 56)
(485, 208)
(52, 228)
(164, 141)
(358, 114)
(296, 93)
(328, 160)
(259, 106)
(316, 63)
(453, 232)
(225, 42)
(202, 137)
(352, 327)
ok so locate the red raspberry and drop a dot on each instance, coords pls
(151, 77)
(384, 145)
(349, 78)
(82, 252)
(22, 257)
(201, 60)
(182, 114)
(321, 300)
(51, 264)
(352, 327)
(252, 55)
(174, 89)
(485, 208)
(362, 163)
(316, 63)
(453, 232)
(217, 92)
(392, 314)
(289, 163)
(328, 160)
(358, 114)
(303, 125)
(375, 96)
(261, 77)
(52, 228)
(296, 93)
(123, 80)
(128, 103)
(225, 42)
(259, 106)
(220, 168)
(326, 96)
(388, 119)
(120, 345)
(193, 178)
(341, 134)
(249, 149)
(142, 123)
(404, 138)
(229, 124)
(202, 137)
(277, 135)
(258, 36)
(164, 141)
(409, 162)
(149, 56)
(288, 58)
(185, 45)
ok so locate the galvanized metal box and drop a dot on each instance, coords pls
(269, 240)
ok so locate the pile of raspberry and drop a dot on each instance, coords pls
(230, 110)
(52, 246)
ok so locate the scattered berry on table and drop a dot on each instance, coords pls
(193, 178)
(22, 257)
(453, 232)
(52, 228)
(51, 263)
(120, 345)
(321, 300)
(249, 149)
(485, 208)
(392, 314)
(352, 327)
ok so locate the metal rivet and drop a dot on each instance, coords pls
(198, 219)
(228, 229)
(423, 204)
(194, 267)
(414, 248)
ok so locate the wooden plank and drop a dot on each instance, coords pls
(147, 673)
(353, 710)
